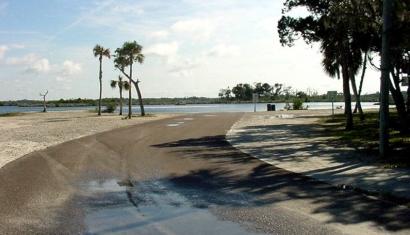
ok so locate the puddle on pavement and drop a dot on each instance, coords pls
(148, 208)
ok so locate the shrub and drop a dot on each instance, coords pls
(297, 104)
(110, 107)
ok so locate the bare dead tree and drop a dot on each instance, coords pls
(44, 101)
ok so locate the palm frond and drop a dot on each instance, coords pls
(106, 53)
(97, 50)
(126, 85)
(113, 83)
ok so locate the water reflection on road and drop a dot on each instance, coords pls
(152, 207)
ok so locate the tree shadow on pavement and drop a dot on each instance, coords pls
(261, 184)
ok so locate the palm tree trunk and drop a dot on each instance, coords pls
(408, 102)
(139, 98)
(364, 67)
(100, 78)
(400, 105)
(347, 98)
(385, 79)
(129, 95)
(120, 86)
(357, 96)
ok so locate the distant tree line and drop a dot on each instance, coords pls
(278, 92)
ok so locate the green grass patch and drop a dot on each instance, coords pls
(365, 136)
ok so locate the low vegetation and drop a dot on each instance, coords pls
(110, 107)
(364, 137)
(297, 104)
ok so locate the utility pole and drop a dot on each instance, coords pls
(388, 6)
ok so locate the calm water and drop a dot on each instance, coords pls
(197, 108)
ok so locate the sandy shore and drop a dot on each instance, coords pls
(23, 134)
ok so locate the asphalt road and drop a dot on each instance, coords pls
(177, 176)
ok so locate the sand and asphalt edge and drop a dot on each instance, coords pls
(372, 194)
(22, 157)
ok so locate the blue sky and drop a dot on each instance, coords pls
(192, 47)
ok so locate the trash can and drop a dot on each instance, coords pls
(271, 107)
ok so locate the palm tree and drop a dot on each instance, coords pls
(100, 52)
(125, 56)
(121, 85)
(335, 63)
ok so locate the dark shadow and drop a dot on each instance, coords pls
(243, 181)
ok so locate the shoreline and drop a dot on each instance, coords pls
(33, 131)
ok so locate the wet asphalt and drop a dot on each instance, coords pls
(177, 176)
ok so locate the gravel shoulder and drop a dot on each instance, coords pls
(30, 132)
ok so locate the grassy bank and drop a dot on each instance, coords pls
(365, 135)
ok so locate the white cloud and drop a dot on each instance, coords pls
(17, 46)
(3, 49)
(184, 68)
(39, 66)
(25, 60)
(70, 68)
(198, 29)
(223, 50)
(160, 34)
(162, 49)
(35, 64)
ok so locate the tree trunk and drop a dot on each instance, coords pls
(129, 95)
(356, 94)
(400, 106)
(44, 104)
(120, 86)
(385, 79)
(347, 98)
(364, 67)
(139, 98)
(408, 101)
(100, 78)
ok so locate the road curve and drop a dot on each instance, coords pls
(177, 176)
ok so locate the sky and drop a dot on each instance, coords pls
(192, 48)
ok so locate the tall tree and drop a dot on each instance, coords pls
(388, 6)
(125, 56)
(243, 91)
(100, 52)
(122, 85)
(333, 24)
(398, 53)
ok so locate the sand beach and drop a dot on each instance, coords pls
(28, 132)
